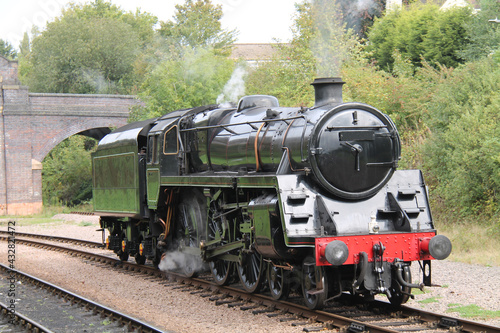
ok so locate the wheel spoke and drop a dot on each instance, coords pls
(190, 220)
(221, 269)
(278, 286)
(250, 273)
(311, 273)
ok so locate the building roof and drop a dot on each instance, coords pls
(253, 51)
(459, 3)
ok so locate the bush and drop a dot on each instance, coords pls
(463, 154)
(196, 78)
(67, 172)
(403, 98)
(420, 31)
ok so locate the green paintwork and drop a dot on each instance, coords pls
(116, 183)
(221, 181)
(153, 181)
(261, 223)
(211, 251)
(246, 227)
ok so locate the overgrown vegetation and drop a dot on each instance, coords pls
(67, 172)
(6, 50)
(463, 150)
(446, 108)
(92, 48)
(435, 72)
(420, 32)
(188, 64)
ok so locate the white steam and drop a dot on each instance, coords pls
(364, 4)
(179, 261)
(332, 42)
(96, 80)
(235, 87)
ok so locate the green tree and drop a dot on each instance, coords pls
(402, 97)
(24, 58)
(196, 24)
(320, 44)
(67, 172)
(447, 36)
(189, 67)
(91, 48)
(141, 22)
(195, 79)
(6, 50)
(293, 66)
(483, 35)
(463, 153)
(419, 31)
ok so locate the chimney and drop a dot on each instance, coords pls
(327, 90)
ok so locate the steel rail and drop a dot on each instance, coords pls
(452, 323)
(55, 238)
(18, 319)
(131, 322)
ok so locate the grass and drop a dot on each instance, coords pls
(416, 291)
(47, 213)
(85, 224)
(32, 220)
(430, 300)
(45, 217)
(473, 243)
(473, 311)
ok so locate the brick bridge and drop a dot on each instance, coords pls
(32, 124)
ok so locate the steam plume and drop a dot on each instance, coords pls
(332, 41)
(235, 87)
(176, 261)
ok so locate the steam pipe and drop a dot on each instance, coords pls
(399, 275)
(364, 265)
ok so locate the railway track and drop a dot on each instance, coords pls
(16, 322)
(76, 241)
(344, 316)
(49, 308)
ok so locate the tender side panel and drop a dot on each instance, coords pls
(116, 186)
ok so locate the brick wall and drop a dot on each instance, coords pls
(32, 124)
(8, 71)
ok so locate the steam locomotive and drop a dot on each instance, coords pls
(298, 198)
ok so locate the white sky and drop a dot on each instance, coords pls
(258, 21)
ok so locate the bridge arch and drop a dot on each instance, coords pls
(96, 128)
(32, 124)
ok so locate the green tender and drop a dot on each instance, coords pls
(116, 181)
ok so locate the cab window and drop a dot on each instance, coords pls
(153, 149)
(171, 143)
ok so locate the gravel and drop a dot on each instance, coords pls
(173, 310)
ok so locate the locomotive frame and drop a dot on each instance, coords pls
(303, 198)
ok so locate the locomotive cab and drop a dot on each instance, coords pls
(163, 157)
